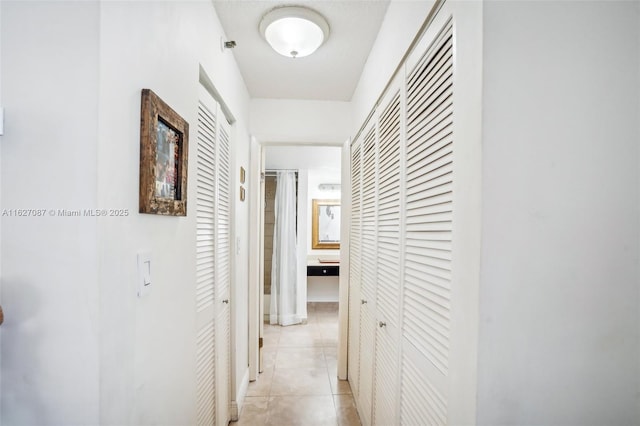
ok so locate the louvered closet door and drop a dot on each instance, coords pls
(355, 266)
(385, 401)
(429, 207)
(205, 265)
(369, 272)
(212, 265)
(223, 276)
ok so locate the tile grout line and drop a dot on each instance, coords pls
(318, 339)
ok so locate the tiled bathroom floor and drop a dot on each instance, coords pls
(299, 384)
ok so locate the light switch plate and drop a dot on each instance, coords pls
(144, 273)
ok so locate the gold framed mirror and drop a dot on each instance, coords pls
(325, 224)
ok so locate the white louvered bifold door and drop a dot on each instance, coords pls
(416, 231)
(223, 278)
(369, 272)
(212, 265)
(205, 265)
(428, 242)
(355, 266)
(388, 260)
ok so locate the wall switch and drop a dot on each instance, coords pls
(144, 273)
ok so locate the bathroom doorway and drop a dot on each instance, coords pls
(319, 178)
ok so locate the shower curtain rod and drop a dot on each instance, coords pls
(274, 171)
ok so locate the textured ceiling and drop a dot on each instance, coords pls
(331, 73)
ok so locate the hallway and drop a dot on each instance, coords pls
(299, 385)
(489, 203)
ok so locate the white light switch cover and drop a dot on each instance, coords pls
(144, 273)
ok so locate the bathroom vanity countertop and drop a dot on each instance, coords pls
(323, 261)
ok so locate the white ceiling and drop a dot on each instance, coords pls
(331, 73)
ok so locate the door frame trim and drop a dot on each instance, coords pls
(256, 281)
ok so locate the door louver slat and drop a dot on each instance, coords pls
(224, 210)
(388, 264)
(422, 403)
(401, 244)
(428, 245)
(205, 205)
(388, 242)
(212, 266)
(369, 271)
(223, 259)
(355, 266)
(205, 359)
(205, 266)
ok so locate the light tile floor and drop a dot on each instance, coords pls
(299, 384)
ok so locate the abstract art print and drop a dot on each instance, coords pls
(164, 147)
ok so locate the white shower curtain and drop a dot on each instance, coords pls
(284, 262)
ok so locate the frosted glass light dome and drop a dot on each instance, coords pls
(294, 31)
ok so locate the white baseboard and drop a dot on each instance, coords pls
(233, 412)
(236, 406)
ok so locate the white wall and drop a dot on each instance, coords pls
(559, 301)
(323, 289)
(50, 357)
(78, 346)
(148, 350)
(300, 121)
(302, 157)
(240, 247)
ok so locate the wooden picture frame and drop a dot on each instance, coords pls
(164, 151)
(325, 224)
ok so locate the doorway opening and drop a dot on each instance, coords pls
(320, 179)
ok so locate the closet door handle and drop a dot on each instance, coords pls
(225, 301)
(362, 301)
(382, 324)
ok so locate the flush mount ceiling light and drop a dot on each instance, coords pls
(294, 31)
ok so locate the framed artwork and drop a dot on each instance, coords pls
(325, 224)
(164, 149)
